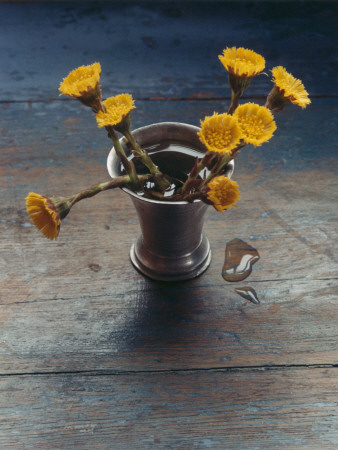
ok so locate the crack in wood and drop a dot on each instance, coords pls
(190, 370)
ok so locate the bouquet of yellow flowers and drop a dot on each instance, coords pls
(223, 135)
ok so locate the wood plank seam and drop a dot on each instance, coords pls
(232, 369)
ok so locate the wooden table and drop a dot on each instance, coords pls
(92, 354)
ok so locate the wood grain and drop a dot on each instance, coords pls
(92, 354)
(288, 408)
(93, 311)
(163, 49)
(170, 328)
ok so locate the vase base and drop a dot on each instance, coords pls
(172, 269)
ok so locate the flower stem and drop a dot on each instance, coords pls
(219, 166)
(192, 176)
(128, 165)
(235, 96)
(121, 181)
(140, 153)
(161, 181)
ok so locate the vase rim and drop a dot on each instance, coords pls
(158, 202)
(191, 129)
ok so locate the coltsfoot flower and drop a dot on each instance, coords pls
(220, 133)
(242, 62)
(47, 212)
(222, 192)
(287, 89)
(44, 214)
(82, 82)
(256, 123)
(116, 110)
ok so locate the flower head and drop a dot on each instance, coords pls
(82, 82)
(222, 192)
(242, 62)
(116, 110)
(220, 133)
(44, 214)
(288, 89)
(256, 123)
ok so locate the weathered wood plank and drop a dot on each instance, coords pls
(289, 408)
(163, 48)
(93, 311)
(62, 133)
(91, 353)
(57, 150)
(149, 326)
(294, 243)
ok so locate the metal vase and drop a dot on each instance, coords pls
(171, 246)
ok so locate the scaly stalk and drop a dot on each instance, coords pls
(128, 165)
(161, 181)
(234, 101)
(121, 181)
(219, 166)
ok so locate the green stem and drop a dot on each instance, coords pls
(128, 165)
(140, 153)
(161, 181)
(219, 166)
(121, 181)
(200, 166)
(234, 101)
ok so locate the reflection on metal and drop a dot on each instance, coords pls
(171, 245)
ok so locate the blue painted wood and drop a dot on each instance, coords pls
(54, 133)
(91, 308)
(92, 353)
(163, 48)
(286, 408)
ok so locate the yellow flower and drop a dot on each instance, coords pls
(222, 192)
(256, 123)
(220, 133)
(290, 87)
(43, 214)
(242, 62)
(82, 82)
(116, 109)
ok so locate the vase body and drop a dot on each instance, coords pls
(172, 245)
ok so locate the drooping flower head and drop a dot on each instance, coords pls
(222, 192)
(47, 213)
(287, 89)
(43, 214)
(256, 123)
(220, 133)
(82, 82)
(117, 109)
